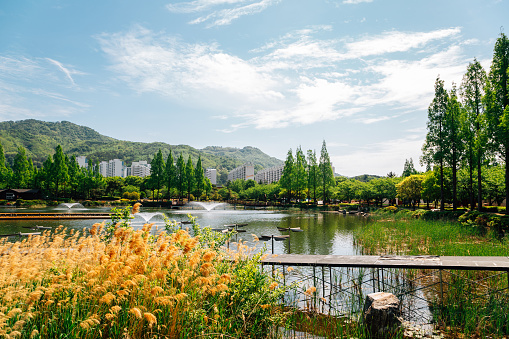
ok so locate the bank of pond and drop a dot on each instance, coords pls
(114, 281)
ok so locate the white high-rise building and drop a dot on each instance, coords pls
(82, 161)
(140, 169)
(115, 168)
(244, 172)
(211, 173)
(270, 175)
(103, 168)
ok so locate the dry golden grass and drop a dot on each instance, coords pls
(133, 285)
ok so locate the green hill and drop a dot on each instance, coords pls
(40, 139)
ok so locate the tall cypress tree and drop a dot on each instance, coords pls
(20, 169)
(189, 177)
(59, 172)
(157, 172)
(312, 174)
(287, 178)
(326, 175)
(199, 177)
(181, 175)
(454, 141)
(300, 172)
(4, 170)
(474, 123)
(433, 148)
(170, 173)
(497, 94)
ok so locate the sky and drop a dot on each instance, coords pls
(272, 74)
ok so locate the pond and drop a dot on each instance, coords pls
(323, 232)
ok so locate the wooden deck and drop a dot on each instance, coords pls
(390, 261)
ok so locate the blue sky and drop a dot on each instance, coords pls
(272, 74)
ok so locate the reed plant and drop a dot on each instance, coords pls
(125, 283)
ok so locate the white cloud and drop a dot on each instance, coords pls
(68, 72)
(224, 16)
(30, 88)
(380, 158)
(355, 2)
(394, 41)
(297, 79)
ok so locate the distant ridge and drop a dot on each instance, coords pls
(40, 139)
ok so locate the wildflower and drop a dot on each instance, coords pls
(110, 316)
(156, 290)
(206, 269)
(107, 298)
(150, 318)
(310, 290)
(136, 208)
(136, 312)
(209, 256)
(225, 278)
(273, 285)
(115, 309)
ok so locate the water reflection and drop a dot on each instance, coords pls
(323, 233)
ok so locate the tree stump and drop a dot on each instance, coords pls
(382, 314)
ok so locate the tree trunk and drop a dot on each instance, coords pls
(442, 205)
(479, 182)
(506, 180)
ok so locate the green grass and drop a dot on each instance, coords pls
(469, 309)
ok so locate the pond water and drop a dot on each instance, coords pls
(323, 233)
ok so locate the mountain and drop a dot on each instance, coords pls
(40, 139)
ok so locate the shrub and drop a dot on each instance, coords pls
(392, 209)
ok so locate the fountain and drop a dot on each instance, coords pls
(69, 205)
(208, 206)
(147, 216)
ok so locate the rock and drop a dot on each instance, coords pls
(381, 314)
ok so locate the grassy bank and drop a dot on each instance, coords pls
(474, 304)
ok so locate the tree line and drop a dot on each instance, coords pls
(468, 128)
(61, 176)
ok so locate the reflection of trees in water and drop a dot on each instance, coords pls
(320, 231)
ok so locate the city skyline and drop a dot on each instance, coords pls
(272, 74)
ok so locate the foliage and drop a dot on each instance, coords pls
(40, 138)
(410, 189)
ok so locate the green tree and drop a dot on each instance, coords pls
(199, 177)
(20, 169)
(497, 103)
(59, 173)
(410, 189)
(300, 172)
(287, 180)
(189, 177)
(408, 168)
(454, 138)
(384, 188)
(430, 188)
(434, 146)
(312, 168)
(475, 123)
(170, 174)
(180, 176)
(157, 172)
(4, 170)
(326, 176)
(494, 185)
